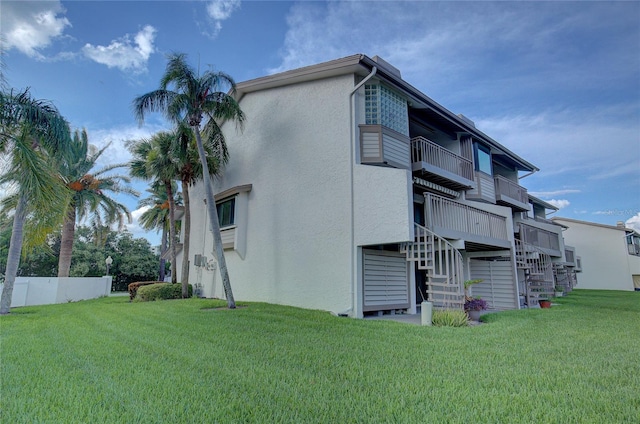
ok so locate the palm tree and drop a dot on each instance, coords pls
(32, 134)
(152, 160)
(197, 98)
(157, 216)
(90, 193)
(190, 172)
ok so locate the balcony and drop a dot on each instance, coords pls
(454, 220)
(440, 165)
(511, 194)
(570, 255)
(380, 145)
(547, 241)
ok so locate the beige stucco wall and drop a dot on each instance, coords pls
(606, 263)
(295, 151)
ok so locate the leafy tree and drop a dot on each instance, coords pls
(133, 260)
(194, 99)
(33, 134)
(91, 193)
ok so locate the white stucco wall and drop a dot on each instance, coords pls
(294, 150)
(606, 263)
(383, 205)
(28, 291)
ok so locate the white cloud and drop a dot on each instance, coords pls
(559, 203)
(634, 222)
(572, 141)
(123, 53)
(31, 26)
(118, 136)
(137, 231)
(220, 10)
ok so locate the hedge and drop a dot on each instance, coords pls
(161, 291)
(133, 287)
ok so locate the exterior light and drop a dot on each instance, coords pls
(108, 261)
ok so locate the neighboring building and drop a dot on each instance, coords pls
(351, 191)
(610, 254)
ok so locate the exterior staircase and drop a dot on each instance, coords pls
(442, 265)
(538, 270)
(564, 276)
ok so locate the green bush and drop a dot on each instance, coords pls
(450, 318)
(133, 287)
(161, 291)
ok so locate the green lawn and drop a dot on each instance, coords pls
(111, 361)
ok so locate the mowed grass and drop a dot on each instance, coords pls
(111, 361)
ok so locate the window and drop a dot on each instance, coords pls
(482, 156)
(633, 244)
(386, 107)
(226, 212)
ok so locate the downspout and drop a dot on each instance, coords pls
(352, 155)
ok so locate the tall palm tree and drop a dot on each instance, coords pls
(32, 134)
(190, 172)
(197, 98)
(91, 193)
(157, 216)
(152, 160)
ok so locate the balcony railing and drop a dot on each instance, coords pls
(423, 150)
(380, 145)
(511, 193)
(540, 238)
(449, 214)
(569, 256)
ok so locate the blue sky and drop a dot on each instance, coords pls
(556, 82)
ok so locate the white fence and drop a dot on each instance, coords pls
(28, 291)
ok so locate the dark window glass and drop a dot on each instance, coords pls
(483, 159)
(226, 212)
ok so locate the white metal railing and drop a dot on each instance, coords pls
(423, 150)
(565, 277)
(511, 189)
(538, 271)
(446, 213)
(443, 266)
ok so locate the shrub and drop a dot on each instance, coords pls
(475, 304)
(133, 287)
(161, 291)
(450, 318)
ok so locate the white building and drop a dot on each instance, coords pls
(350, 191)
(610, 254)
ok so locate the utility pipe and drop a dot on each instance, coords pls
(352, 155)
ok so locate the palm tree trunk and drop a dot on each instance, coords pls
(172, 232)
(215, 224)
(186, 222)
(66, 242)
(13, 258)
(163, 249)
